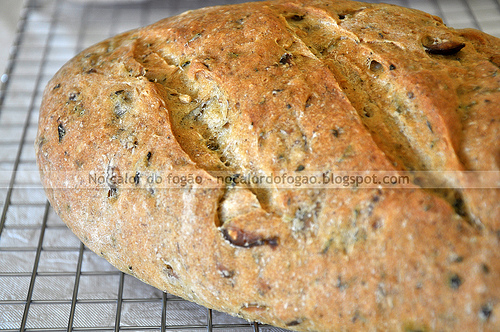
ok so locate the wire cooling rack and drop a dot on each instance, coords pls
(49, 281)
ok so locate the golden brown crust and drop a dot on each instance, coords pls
(288, 86)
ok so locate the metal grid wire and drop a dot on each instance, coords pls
(49, 281)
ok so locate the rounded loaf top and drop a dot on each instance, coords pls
(223, 155)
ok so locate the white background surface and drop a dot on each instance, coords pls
(9, 14)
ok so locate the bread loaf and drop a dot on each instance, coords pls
(156, 146)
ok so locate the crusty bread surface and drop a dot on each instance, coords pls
(302, 88)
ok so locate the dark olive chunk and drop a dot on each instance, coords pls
(455, 281)
(241, 238)
(441, 46)
(112, 192)
(286, 59)
(294, 322)
(485, 311)
(61, 132)
(297, 18)
(376, 66)
(73, 96)
(169, 271)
